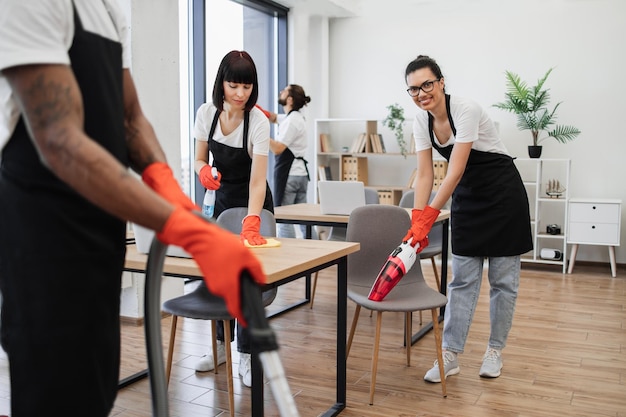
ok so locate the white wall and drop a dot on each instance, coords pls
(156, 72)
(475, 42)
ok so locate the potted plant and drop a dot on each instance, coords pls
(395, 121)
(530, 104)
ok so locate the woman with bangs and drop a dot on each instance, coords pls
(233, 136)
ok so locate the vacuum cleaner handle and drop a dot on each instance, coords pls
(263, 342)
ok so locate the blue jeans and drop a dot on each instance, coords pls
(463, 292)
(295, 193)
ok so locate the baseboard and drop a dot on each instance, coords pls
(138, 321)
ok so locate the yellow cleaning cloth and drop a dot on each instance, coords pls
(271, 243)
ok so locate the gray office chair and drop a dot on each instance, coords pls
(202, 305)
(339, 233)
(389, 225)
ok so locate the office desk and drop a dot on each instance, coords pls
(309, 214)
(293, 259)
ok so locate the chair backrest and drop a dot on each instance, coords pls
(230, 219)
(407, 198)
(435, 240)
(371, 196)
(379, 229)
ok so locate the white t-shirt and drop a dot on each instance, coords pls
(292, 133)
(472, 124)
(41, 32)
(258, 130)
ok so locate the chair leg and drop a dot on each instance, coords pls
(408, 331)
(432, 260)
(355, 319)
(229, 368)
(170, 349)
(379, 321)
(214, 344)
(313, 290)
(437, 331)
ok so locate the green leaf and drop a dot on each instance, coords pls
(394, 121)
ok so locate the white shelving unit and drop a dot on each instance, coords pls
(386, 172)
(544, 209)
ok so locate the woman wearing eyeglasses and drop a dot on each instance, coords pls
(489, 212)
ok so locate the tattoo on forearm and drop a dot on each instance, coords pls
(140, 159)
(48, 102)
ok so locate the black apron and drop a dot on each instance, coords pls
(282, 166)
(61, 257)
(235, 165)
(490, 212)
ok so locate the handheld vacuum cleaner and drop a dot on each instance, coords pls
(400, 260)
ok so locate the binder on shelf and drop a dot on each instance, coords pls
(325, 143)
(377, 146)
(359, 144)
(382, 143)
(321, 173)
(372, 143)
(389, 197)
(354, 169)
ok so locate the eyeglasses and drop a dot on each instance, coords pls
(427, 87)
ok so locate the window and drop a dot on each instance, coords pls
(210, 30)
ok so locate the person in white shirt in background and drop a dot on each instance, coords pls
(291, 173)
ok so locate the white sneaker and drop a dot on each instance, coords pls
(492, 364)
(450, 367)
(245, 370)
(206, 364)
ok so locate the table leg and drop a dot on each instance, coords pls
(572, 258)
(342, 319)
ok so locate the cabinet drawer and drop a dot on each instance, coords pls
(594, 233)
(594, 212)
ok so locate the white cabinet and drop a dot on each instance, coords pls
(546, 211)
(388, 172)
(594, 222)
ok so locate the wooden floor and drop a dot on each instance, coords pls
(566, 356)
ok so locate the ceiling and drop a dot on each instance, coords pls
(330, 8)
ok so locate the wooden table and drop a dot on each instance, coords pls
(309, 214)
(292, 260)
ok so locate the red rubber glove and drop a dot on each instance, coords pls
(250, 230)
(160, 178)
(421, 223)
(265, 112)
(219, 254)
(207, 180)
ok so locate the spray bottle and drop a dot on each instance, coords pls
(208, 204)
